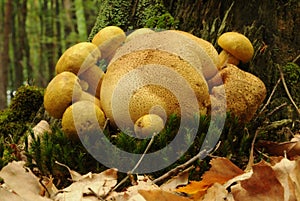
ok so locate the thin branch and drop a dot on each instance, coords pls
(179, 168)
(133, 169)
(287, 91)
(298, 57)
(251, 157)
(269, 99)
(95, 194)
(276, 108)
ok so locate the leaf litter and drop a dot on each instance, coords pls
(278, 179)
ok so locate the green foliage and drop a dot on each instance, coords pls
(26, 103)
(14, 121)
(291, 73)
(153, 14)
(8, 152)
(113, 12)
(44, 150)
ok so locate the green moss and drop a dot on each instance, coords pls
(113, 12)
(153, 14)
(48, 148)
(14, 120)
(292, 78)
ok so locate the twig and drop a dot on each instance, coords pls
(95, 194)
(269, 99)
(251, 157)
(183, 166)
(133, 169)
(287, 91)
(298, 57)
(276, 108)
(146, 150)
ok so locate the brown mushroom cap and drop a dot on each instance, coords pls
(244, 92)
(82, 117)
(147, 125)
(78, 58)
(60, 92)
(109, 39)
(166, 50)
(237, 44)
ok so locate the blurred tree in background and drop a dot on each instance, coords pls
(33, 35)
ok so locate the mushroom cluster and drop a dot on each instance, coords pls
(147, 79)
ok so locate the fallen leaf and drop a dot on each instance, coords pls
(295, 177)
(282, 171)
(181, 179)
(75, 176)
(261, 186)
(21, 181)
(291, 148)
(49, 188)
(217, 192)
(155, 195)
(131, 193)
(222, 170)
(100, 183)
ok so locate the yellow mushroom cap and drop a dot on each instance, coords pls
(168, 58)
(60, 92)
(78, 58)
(109, 39)
(138, 32)
(237, 44)
(147, 125)
(208, 48)
(82, 117)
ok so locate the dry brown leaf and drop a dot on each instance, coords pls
(100, 183)
(181, 179)
(49, 189)
(5, 195)
(217, 192)
(261, 186)
(21, 181)
(291, 148)
(222, 170)
(75, 176)
(131, 193)
(295, 177)
(155, 195)
(282, 171)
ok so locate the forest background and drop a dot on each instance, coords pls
(33, 35)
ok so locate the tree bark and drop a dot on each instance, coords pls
(5, 54)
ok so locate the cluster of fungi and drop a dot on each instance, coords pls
(82, 95)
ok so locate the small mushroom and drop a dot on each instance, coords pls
(83, 117)
(78, 58)
(237, 46)
(148, 125)
(108, 40)
(60, 92)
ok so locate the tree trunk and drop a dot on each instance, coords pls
(5, 54)
(272, 26)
